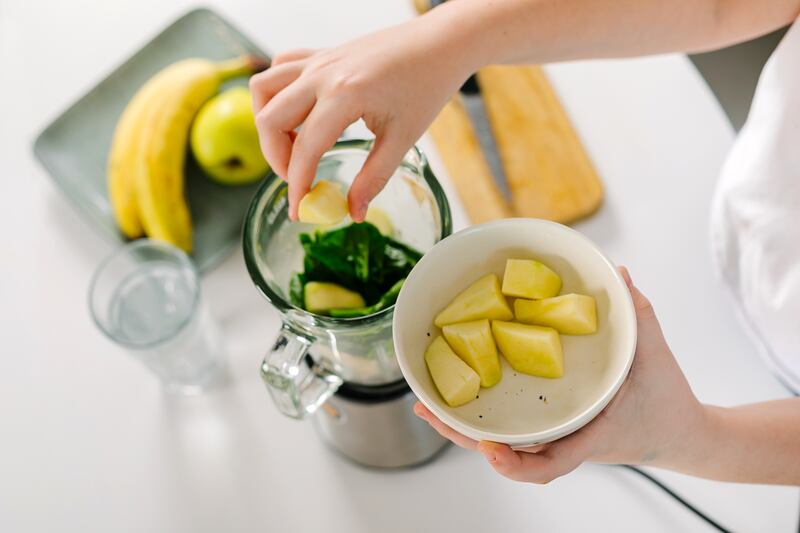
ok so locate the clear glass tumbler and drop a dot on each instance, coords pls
(146, 298)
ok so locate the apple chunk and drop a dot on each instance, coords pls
(570, 314)
(380, 219)
(481, 300)
(455, 380)
(473, 343)
(319, 297)
(323, 204)
(526, 278)
(531, 350)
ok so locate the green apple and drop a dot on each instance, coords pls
(225, 141)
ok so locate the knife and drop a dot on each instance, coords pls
(476, 110)
(528, 146)
(473, 104)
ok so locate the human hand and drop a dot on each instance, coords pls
(395, 79)
(653, 419)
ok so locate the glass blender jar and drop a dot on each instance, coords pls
(343, 371)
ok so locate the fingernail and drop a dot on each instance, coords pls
(362, 212)
(626, 276)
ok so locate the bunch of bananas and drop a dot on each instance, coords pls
(146, 161)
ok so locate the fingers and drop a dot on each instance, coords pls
(292, 55)
(385, 157)
(321, 129)
(276, 123)
(265, 85)
(623, 271)
(551, 462)
(443, 429)
(649, 330)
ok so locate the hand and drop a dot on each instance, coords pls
(396, 80)
(654, 417)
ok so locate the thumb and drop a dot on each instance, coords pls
(649, 330)
(382, 161)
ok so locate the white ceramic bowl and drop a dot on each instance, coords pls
(521, 410)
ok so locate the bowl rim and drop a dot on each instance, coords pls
(515, 439)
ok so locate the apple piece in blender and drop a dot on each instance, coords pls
(570, 314)
(378, 218)
(224, 139)
(481, 300)
(319, 297)
(473, 343)
(454, 379)
(323, 204)
(533, 350)
(526, 278)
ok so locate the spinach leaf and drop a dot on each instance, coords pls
(358, 257)
(297, 289)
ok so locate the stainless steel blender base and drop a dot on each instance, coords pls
(381, 434)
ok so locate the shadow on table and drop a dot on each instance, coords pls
(420, 498)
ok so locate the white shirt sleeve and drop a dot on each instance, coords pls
(755, 223)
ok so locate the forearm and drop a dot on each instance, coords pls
(542, 31)
(758, 443)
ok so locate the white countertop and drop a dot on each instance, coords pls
(88, 441)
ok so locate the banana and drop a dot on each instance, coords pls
(147, 157)
(122, 158)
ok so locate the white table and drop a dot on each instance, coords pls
(88, 441)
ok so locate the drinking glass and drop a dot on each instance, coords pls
(146, 298)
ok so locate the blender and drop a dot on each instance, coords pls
(342, 372)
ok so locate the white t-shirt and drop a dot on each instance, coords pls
(755, 222)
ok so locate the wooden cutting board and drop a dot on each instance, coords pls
(460, 151)
(549, 173)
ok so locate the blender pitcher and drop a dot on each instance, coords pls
(343, 371)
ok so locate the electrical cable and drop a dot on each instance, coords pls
(710, 521)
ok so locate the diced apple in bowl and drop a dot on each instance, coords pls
(526, 278)
(473, 342)
(481, 300)
(533, 350)
(478, 323)
(570, 314)
(455, 380)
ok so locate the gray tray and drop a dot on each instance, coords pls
(74, 147)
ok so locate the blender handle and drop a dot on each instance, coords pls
(297, 388)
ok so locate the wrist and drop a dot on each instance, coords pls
(695, 447)
(467, 30)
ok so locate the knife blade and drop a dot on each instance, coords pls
(476, 110)
(474, 105)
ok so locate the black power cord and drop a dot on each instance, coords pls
(713, 523)
(710, 521)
